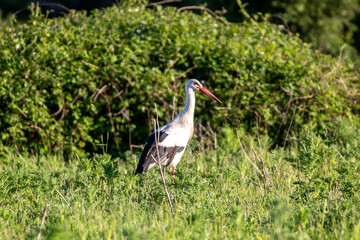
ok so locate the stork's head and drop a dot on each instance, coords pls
(195, 85)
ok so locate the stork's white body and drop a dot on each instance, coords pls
(173, 137)
(177, 137)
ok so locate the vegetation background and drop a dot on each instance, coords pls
(279, 159)
(326, 24)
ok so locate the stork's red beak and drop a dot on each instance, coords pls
(209, 94)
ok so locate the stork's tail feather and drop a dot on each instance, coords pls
(139, 170)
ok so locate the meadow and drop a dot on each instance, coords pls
(308, 190)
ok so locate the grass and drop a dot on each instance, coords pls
(216, 194)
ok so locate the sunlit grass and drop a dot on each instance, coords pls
(216, 194)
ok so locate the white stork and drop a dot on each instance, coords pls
(174, 136)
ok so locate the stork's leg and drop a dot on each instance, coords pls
(174, 170)
(173, 176)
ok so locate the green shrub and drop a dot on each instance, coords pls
(68, 82)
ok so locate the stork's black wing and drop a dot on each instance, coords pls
(149, 149)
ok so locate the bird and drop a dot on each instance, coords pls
(174, 136)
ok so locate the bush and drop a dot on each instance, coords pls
(68, 82)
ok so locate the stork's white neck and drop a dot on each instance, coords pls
(187, 115)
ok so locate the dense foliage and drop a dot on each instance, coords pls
(327, 25)
(68, 82)
(309, 192)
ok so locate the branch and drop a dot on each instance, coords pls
(164, 182)
(287, 28)
(99, 91)
(111, 121)
(63, 198)
(247, 157)
(174, 109)
(291, 100)
(89, 64)
(156, 122)
(246, 14)
(120, 112)
(54, 4)
(76, 98)
(60, 109)
(186, 72)
(204, 9)
(42, 4)
(42, 222)
(137, 146)
(38, 128)
(156, 95)
(172, 63)
(287, 133)
(303, 97)
(265, 173)
(162, 2)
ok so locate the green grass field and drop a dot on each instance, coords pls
(307, 191)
